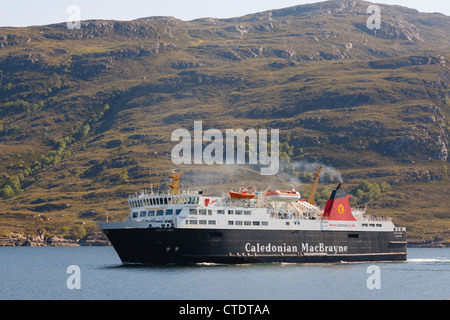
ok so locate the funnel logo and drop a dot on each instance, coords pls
(341, 209)
(213, 153)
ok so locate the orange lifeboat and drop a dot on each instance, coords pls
(283, 196)
(243, 193)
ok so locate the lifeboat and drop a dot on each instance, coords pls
(243, 193)
(283, 196)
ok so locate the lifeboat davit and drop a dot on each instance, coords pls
(243, 193)
(283, 196)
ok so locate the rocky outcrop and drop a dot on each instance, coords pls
(26, 62)
(395, 63)
(436, 242)
(428, 146)
(48, 207)
(397, 28)
(97, 239)
(41, 240)
(426, 138)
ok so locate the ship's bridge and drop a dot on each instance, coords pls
(157, 199)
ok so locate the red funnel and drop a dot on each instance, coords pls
(338, 207)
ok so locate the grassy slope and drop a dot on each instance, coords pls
(294, 71)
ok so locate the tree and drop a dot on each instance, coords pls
(7, 192)
(85, 130)
(367, 191)
(14, 183)
(80, 232)
(123, 177)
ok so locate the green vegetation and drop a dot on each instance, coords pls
(366, 191)
(123, 177)
(80, 232)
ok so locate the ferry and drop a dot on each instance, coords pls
(272, 226)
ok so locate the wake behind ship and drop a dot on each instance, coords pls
(245, 226)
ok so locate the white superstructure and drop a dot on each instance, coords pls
(191, 209)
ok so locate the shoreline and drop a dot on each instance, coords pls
(34, 241)
(41, 241)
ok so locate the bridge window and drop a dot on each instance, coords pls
(159, 212)
(169, 212)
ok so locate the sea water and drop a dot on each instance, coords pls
(69, 273)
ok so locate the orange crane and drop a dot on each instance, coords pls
(314, 187)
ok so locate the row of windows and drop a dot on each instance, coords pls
(156, 201)
(230, 223)
(239, 212)
(371, 225)
(152, 213)
(201, 222)
(248, 223)
(204, 212)
(210, 212)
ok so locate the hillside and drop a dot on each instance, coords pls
(86, 116)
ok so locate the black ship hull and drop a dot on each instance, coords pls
(230, 246)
